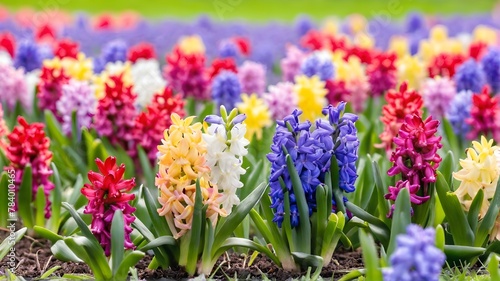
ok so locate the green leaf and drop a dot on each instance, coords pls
(4, 199)
(488, 221)
(81, 224)
(460, 253)
(54, 129)
(440, 238)
(56, 198)
(493, 267)
(370, 258)
(75, 130)
(308, 260)
(447, 166)
(369, 218)
(47, 234)
(195, 232)
(381, 189)
(245, 243)
(40, 202)
(207, 110)
(321, 217)
(450, 135)
(475, 208)
(161, 256)
(25, 198)
(401, 218)
(129, 261)
(304, 227)
(159, 223)
(49, 272)
(6, 244)
(147, 170)
(336, 191)
(91, 254)
(118, 241)
(160, 241)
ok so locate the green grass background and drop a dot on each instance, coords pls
(259, 10)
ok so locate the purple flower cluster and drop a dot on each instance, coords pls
(13, 87)
(228, 49)
(314, 65)
(459, 111)
(469, 76)
(226, 89)
(252, 77)
(76, 96)
(30, 55)
(416, 257)
(491, 68)
(113, 51)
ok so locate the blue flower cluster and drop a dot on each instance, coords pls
(491, 68)
(470, 76)
(416, 257)
(314, 65)
(459, 111)
(30, 55)
(311, 150)
(228, 49)
(113, 51)
(226, 89)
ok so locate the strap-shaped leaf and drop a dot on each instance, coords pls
(245, 243)
(370, 258)
(160, 241)
(475, 208)
(383, 204)
(118, 241)
(195, 232)
(4, 199)
(147, 170)
(308, 260)
(81, 225)
(401, 218)
(129, 261)
(160, 225)
(40, 202)
(56, 198)
(47, 234)
(63, 253)
(91, 254)
(488, 221)
(25, 198)
(54, 129)
(461, 253)
(6, 244)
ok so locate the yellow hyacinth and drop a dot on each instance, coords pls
(480, 170)
(191, 45)
(182, 163)
(485, 34)
(311, 94)
(99, 80)
(78, 69)
(400, 46)
(257, 115)
(412, 70)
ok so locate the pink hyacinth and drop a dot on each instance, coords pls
(252, 77)
(50, 88)
(382, 73)
(13, 87)
(281, 100)
(337, 91)
(437, 94)
(415, 158)
(290, 64)
(358, 94)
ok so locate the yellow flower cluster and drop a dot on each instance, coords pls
(438, 43)
(191, 45)
(412, 70)
(80, 68)
(480, 170)
(311, 95)
(99, 80)
(181, 163)
(257, 115)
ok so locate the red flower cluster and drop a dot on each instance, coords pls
(143, 50)
(365, 55)
(337, 91)
(317, 40)
(477, 50)
(150, 124)
(106, 193)
(7, 43)
(28, 145)
(218, 65)
(382, 73)
(399, 104)
(415, 158)
(66, 48)
(243, 45)
(45, 32)
(186, 74)
(445, 65)
(50, 88)
(484, 116)
(116, 112)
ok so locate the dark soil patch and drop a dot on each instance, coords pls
(34, 258)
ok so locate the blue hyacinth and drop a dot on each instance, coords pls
(228, 49)
(311, 149)
(113, 51)
(314, 65)
(470, 76)
(491, 68)
(303, 24)
(226, 89)
(416, 257)
(30, 55)
(459, 111)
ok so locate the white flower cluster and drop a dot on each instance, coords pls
(225, 151)
(147, 80)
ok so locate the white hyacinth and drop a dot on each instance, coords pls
(147, 80)
(225, 151)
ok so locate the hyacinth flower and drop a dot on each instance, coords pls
(416, 257)
(147, 80)
(150, 124)
(66, 48)
(311, 95)
(459, 111)
(143, 50)
(491, 66)
(437, 94)
(76, 97)
(445, 65)
(30, 56)
(470, 76)
(50, 88)
(410, 69)
(480, 171)
(382, 73)
(113, 51)
(14, 87)
(116, 112)
(219, 65)
(252, 77)
(28, 145)
(399, 105)
(226, 147)
(415, 159)
(107, 192)
(320, 64)
(291, 63)
(257, 115)
(281, 100)
(484, 116)
(226, 89)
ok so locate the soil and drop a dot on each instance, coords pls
(34, 258)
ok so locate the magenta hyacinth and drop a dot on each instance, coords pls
(290, 64)
(252, 78)
(281, 100)
(438, 93)
(13, 87)
(76, 96)
(415, 158)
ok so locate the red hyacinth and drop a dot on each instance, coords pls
(8, 43)
(44, 33)
(143, 50)
(150, 124)
(415, 158)
(337, 91)
(66, 48)
(218, 65)
(484, 116)
(382, 73)
(50, 88)
(477, 50)
(186, 74)
(365, 55)
(107, 193)
(116, 112)
(445, 64)
(399, 104)
(243, 45)
(28, 145)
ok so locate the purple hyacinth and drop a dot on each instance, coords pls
(228, 49)
(491, 68)
(303, 24)
(322, 66)
(459, 111)
(30, 55)
(13, 87)
(281, 100)
(252, 77)
(414, 22)
(469, 76)
(290, 64)
(416, 257)
(226, 89)
(438, 93)
(76, 96)
(113, 51)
